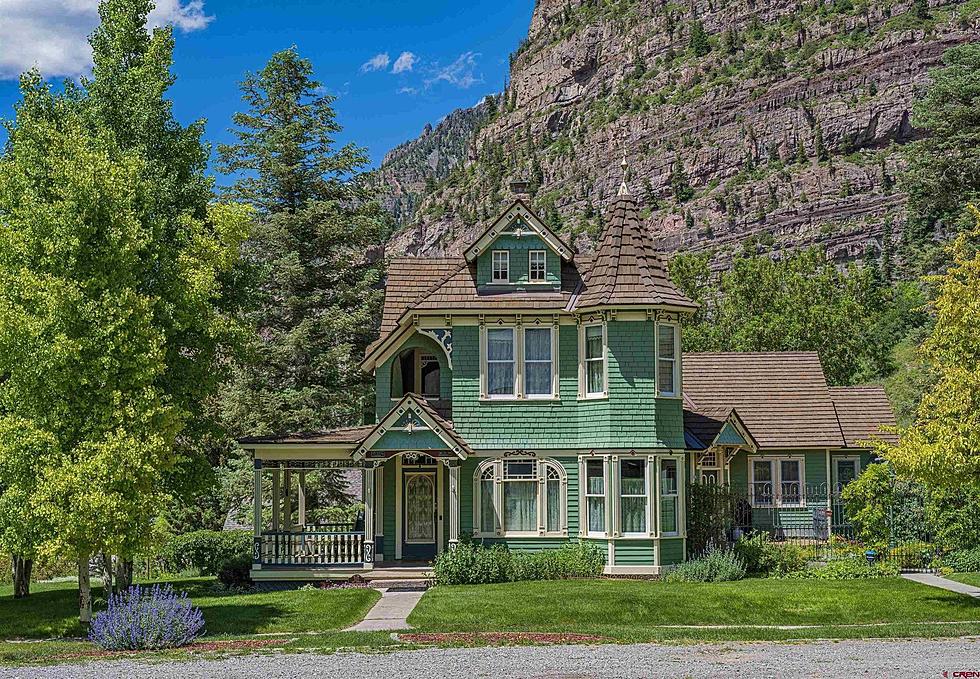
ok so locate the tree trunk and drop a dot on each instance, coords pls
(84, 591)
(22, 576)
(105, 562)
(124, 574)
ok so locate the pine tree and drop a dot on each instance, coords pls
(679, 184)
(819, 148)
(698, 41)
(312, 255)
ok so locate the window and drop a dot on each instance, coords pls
(595, 361)
(500, 362)
(667, 364)
(529, 498)
(633, 496)
(595, 495)
(500, 273)
(520, 496)
(429, 370)
(846, 469)
(669, 497)
(538, 375)
(536, 266)
(777, 482)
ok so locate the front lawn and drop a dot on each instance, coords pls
(967, 578)
(636, 610)
(52, 610)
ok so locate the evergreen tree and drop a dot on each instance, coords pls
(698, 42)
(679, 184)
(314, 257)
(819, 148)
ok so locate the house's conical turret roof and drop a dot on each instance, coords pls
(628, 270)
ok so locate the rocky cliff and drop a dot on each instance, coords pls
(745, 124)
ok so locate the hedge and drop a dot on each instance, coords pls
(205, 550)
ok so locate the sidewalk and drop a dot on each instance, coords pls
(391, 612)
(943, 583)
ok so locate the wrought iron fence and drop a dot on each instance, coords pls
(813, 517)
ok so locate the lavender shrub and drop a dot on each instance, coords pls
(147, 618)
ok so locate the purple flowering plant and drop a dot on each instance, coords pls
(147, 618)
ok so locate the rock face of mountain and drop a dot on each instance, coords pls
(411, 170)
(746, 124)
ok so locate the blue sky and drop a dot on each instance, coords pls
(394, 66)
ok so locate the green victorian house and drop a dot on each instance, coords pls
(532, 396)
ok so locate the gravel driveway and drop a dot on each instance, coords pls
(918, 658)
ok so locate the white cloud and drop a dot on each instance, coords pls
(53, 34)
(378, 62)
(461, 73)
(404, 62)
(408, 90)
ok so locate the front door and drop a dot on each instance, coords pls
(420, 515)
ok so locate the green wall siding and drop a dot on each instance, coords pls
(634, 552)
(671, 551)
(518, 260)
(631, 417)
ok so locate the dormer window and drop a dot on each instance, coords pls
(500, 271)
(537, 266)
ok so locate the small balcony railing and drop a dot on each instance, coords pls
(306, 549)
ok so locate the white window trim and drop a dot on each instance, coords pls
(553, 394)
(584, 497)
(493, 266)
(837, 458)
(518, 392)
(777, 480)
(541, 467)
(485, 364)
(583, 376)
(681, 531)
(648, 470)
(676, 360)
(544, 273)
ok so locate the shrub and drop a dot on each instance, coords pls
(715, 565)
(847, 569)
(764, 557)
(963, 560)
(205, 550)
(472, 564)
(236, 571)
(953, 515)
(912, 555)
(147, 618)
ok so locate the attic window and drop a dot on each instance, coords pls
(500, 272)
(536, 266)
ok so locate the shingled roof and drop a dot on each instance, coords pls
(701, 427)
(343, 436)
(782, 397)
(628, 270)
(862, 411)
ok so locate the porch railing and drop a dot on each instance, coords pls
(310, 549)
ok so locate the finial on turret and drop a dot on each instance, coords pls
(624, 190)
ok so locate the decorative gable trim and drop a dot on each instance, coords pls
(734, 420)
(519, 210)
(416, 409)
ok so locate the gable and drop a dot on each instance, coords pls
(729, 436)
(412, 424)
(519, 244)
(518, 219)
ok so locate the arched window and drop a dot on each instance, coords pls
(514, 497)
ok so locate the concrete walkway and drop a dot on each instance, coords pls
(391, 612)
(943, 583)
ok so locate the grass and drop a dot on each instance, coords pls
(629, 610)
(967, 578)
(52, 610)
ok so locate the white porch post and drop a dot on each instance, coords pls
(276, 488)
(257, 516)
(287, 487)
(301, 500)
(453, 506)
(368, 517)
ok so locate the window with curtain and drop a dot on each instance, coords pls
(595, 382)
(762, 482)
(669, 497)
(520, 496)
(791, 492)
(667, 360)
(536, 266)
(633, 496)
(488, 513)
(500, 263)
(777, 482)
(552, 498)
(595, 495)
(500, 362)
(538, 381)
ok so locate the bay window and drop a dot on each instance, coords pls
(776, 481)
(538, 372)
(520, 497)
(668, 359)
(536, 266)
(594, 361)
(633, 495)
(500, 363)
(669, 497)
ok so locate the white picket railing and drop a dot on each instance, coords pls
(311, 549)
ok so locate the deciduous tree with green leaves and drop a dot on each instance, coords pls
(113, 267)
(942, 446)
